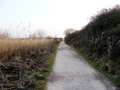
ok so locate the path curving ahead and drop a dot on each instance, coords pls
(72, 72)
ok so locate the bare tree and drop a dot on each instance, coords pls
(41, 33)
(4, 34)
(68, 31)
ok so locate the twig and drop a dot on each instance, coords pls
(1, 86)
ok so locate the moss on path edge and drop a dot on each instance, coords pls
(41, 81)
(100, 68)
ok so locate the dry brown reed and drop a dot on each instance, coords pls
(20, 58)
(8, 46)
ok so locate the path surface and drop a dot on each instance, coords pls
(72, 72)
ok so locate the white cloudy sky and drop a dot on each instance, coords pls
(53, 16)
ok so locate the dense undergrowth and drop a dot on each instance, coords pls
(20, 67)
(100, 41)
(42, 79)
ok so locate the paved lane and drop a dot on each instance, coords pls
(72, 72)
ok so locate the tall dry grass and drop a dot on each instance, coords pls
(21, 60)
(17, 46)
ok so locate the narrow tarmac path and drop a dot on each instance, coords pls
(72, 72)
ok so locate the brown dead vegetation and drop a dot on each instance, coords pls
(18, 66)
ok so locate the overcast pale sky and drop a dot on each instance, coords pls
(24, 17)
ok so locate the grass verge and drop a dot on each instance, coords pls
(42, 79)
(100, 68)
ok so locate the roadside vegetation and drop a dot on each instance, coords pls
(26, 62)
(43, 76)
(99, 41)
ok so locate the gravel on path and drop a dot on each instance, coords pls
(72, 72)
